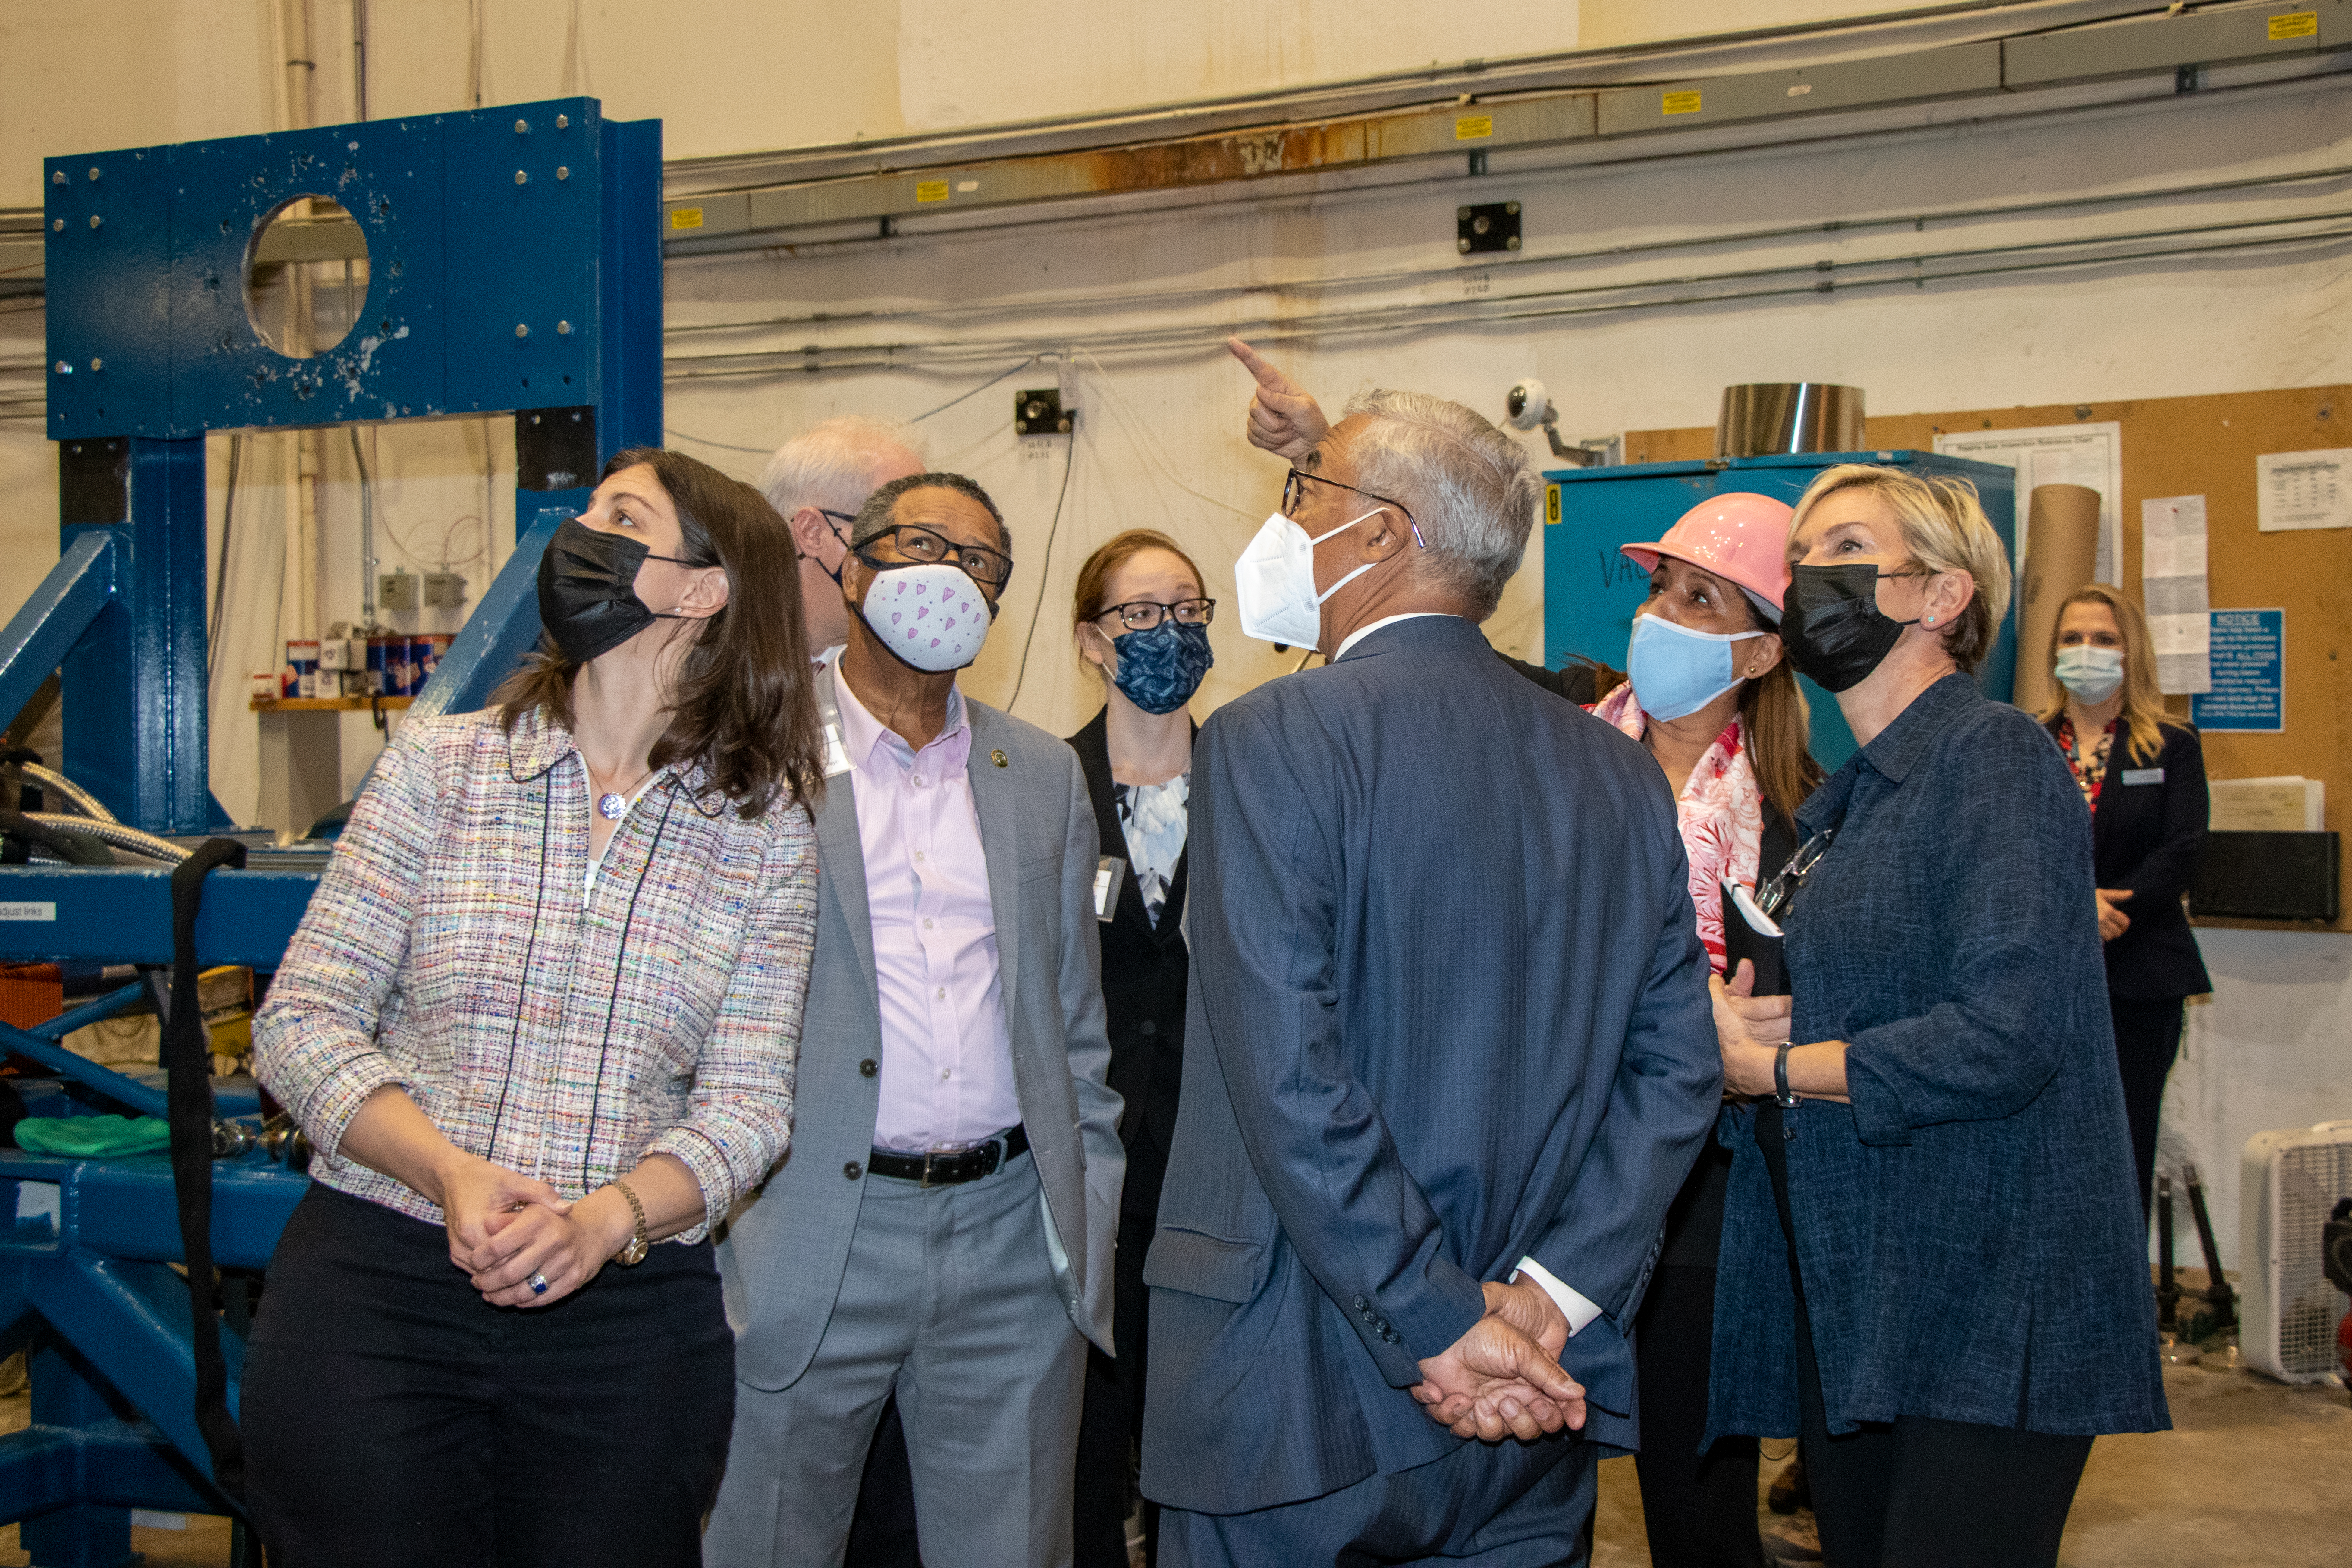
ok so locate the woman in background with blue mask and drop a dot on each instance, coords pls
(2142, 773)
(1141, 620)
(1710, 696)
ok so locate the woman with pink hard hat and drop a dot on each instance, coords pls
(1710, 697)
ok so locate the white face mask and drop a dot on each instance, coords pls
(1273, 581)
(2091, 673)
(929, 613)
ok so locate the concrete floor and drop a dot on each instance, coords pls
(2253, 1475)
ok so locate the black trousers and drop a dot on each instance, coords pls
(1112, 1423)
(391, 1417)
(2148, 1038)
(1699, 1510)
(1918, 1492)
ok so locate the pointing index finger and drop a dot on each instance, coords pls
(1267, 375)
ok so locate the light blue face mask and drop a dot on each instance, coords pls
(1677, 671)
(2091, 673)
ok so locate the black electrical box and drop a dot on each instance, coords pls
(2268, 876)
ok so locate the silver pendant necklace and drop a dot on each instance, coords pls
(613, 805)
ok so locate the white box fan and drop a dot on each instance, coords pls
(2290, 1181)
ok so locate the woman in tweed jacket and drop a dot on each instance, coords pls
(543, 1011)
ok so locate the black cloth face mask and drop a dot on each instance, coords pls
(1832, 626)
(588, 590)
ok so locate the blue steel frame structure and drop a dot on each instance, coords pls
(514, 266)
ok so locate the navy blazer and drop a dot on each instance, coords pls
(1448, 1009)
(2146, 836)
(1967, 1228)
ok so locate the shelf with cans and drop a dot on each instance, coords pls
(364, 669)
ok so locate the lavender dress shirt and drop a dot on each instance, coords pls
(947, 1055)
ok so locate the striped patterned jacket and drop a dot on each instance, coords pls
(449, 949)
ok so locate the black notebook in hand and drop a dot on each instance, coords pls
(1749, 934)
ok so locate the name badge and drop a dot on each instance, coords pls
(836, 756)
(2143, 775)
(1108, 872)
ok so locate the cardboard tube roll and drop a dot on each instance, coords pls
(2062, 552)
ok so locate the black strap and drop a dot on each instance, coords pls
(188, 1061)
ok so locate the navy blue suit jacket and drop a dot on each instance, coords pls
(1448, 1008)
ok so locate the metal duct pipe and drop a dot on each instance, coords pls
(1788, 416)
(113, 833)
(88, 804)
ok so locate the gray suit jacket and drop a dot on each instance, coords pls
(785, 1245)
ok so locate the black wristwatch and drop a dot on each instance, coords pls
(1785, 1097)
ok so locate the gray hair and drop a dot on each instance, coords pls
(830, 464)
(1469, 487)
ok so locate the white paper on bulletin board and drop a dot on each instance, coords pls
(2087, 455)
(2303, 489)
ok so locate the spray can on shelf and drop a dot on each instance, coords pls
(299, 675)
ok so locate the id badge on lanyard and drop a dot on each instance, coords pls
(1110, 872)
(828, 712)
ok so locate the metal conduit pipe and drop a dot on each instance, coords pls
(1508, 260)
(83, 801)
(1830, 277)
(112, 833)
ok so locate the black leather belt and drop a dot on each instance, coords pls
(946, 1170)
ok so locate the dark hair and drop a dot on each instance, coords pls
(875, 515)
(1094, 577)
(744, 710)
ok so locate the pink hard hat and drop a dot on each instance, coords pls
(1741, 537)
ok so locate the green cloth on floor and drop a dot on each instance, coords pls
(92, 1137)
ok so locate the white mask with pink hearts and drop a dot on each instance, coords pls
(929, 613)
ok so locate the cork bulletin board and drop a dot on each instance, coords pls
(2204, 446)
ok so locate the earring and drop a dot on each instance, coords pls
(1931, 620)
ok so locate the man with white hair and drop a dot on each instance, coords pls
(816, 482)
(1447, 1050)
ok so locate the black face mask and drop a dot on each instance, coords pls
(1831, 625)
(588, 590)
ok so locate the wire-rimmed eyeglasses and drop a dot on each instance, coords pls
(1775, 894)
(1294, 489)
(1144, 615)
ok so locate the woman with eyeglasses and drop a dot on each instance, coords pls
(540, 1022)
(1142, 622)
(2142, 774)
(1932, 1269)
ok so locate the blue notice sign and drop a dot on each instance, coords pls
(2249, 673)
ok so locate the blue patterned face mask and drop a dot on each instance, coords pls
(1160, 670)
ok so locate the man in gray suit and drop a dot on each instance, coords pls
(942, 1224)
(1448, 1051)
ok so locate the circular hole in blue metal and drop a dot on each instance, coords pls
(306, 276)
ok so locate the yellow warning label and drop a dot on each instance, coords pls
(1471, 127)
(1680, 103)
(931, 191)
(1551, 503)
(2295, 24)
(686, 217)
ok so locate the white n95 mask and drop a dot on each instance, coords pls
(929, 614)
(1274, 583)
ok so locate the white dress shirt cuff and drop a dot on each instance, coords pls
(1573, 1307)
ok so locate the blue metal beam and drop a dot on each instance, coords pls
(133, 1094)
(501, 630)
(41, 635)
(129, 1322)
(56, 914)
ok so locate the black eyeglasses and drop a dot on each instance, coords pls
(1143, 615)
(910, 543)
(1775, 894)
(1294, 489)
